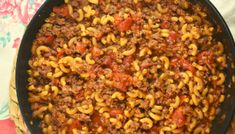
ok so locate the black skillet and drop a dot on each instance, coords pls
(220, 124)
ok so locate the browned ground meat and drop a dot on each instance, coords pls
(126, 66)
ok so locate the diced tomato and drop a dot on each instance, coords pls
(46, 40)
(92, 75)
(135, 28)
(96, 52)
(75, 124)
(176, 76)
(107, 60)
(165, 24)
(102, 2)
(115, 111)
(99, 35)
(187, 65)
(183, 99)
(205, 57)
(121, 81)
(147, 63)
(155, 130)
(178, 117)
(128, 60)
(174, 62)
(172, 37)
(121, 86)
(49, 39)
(95, 69)
(148, 75)
(55, 82)
(125, 24)
(115, 68)
(136, 19)
(96, 119)
(175, 48)
(60, 54)
(117, 20)
(61, 10)
(96, 122)
(111, 54)
(80, 47)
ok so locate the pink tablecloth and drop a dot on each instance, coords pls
(14, 16)
(7, 127)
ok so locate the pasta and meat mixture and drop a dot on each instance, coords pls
(127, 66)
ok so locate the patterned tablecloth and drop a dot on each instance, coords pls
(14, 17)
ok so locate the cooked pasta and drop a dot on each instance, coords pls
(132, 66)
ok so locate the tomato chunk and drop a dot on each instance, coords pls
(111, 54)
(135, 28)
(116, 68)
(128, 60)
(174, 62)
(107, 60)
(125, 25)
(147, 63)
(117, 20)
(165, 24)
(61, 10)
(96, 119)
(47, 40)
(99, 35)
(137, 19)
(185, 64)
(96, 52)
(101, 1)
(172, 37)
(81, 48)
(121, 81)
(92, 75)
(155, 130)
(115, 111)
(178, 117)
(183, 99)
(75, 124)
(205, 57)
(60, 54)
(96, 122)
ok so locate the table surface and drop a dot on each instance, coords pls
(14, 17)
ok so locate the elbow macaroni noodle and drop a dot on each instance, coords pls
(129, 52)
(41, 49)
